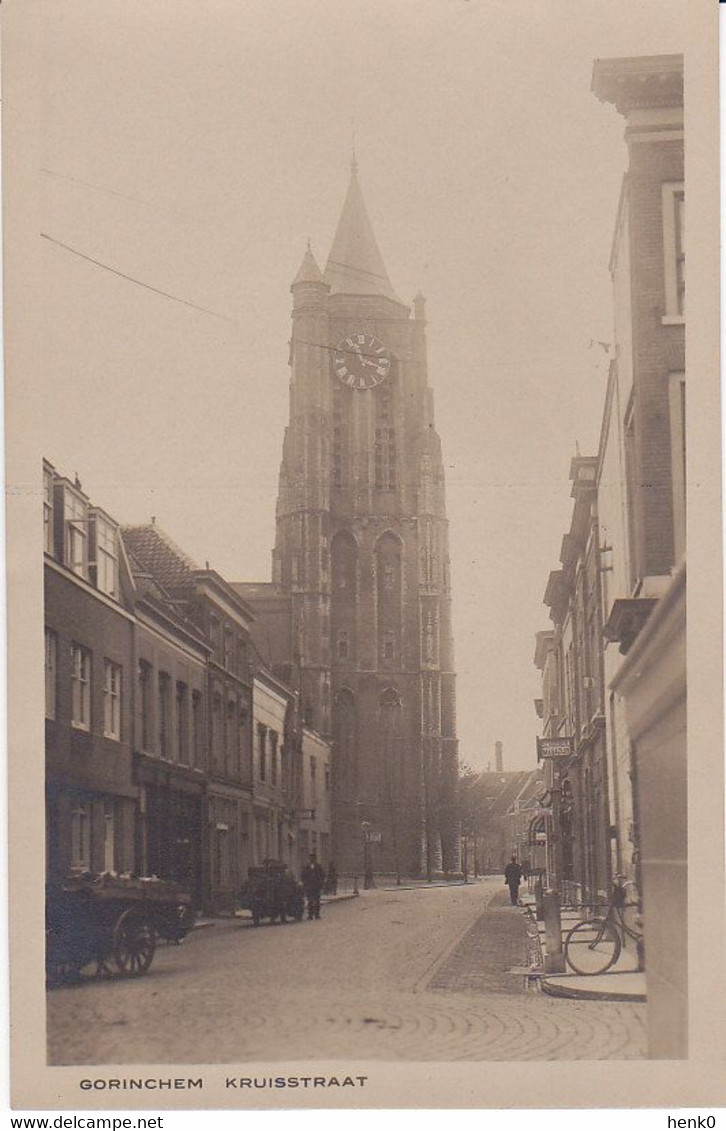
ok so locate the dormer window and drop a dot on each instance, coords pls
(104, 558)
(48, 510)
(75, 532)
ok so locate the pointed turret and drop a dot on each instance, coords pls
(309, 271)
(355, 265)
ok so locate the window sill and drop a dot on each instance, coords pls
(112, 737)
(85, 727)
(673, 320)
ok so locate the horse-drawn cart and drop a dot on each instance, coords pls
(272, 892)
(112, 921)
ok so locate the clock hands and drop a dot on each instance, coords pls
(377, 359)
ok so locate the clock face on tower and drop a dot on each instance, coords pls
(361, 361)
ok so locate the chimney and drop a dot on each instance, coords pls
(498, 759)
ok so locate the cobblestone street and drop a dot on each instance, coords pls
(416, 975)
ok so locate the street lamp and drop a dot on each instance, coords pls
(367, 870)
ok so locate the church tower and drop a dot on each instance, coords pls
(362, 551)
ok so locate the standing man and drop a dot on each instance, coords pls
(512, 878)
(313, 878)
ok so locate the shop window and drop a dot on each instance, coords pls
(81, 838)
(109, 838)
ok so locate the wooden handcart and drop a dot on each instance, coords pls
(112, 922)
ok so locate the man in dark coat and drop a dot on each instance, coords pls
(313, 878)
(512, 878)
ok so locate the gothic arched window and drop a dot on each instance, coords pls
(389, 597)
(345, 739)
(390, 737)
(344, 560)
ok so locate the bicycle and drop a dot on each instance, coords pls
(594, 945)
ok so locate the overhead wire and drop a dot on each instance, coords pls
(131, 279)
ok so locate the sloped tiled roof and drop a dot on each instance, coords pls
(500, 790)
(155, 553)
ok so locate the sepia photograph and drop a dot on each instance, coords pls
(351, 476)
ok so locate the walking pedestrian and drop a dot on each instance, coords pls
(512, 878)
(331, 882)
(313, 878)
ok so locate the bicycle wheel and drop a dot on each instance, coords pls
(592, 946)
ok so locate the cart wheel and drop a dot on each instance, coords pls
(134, 943)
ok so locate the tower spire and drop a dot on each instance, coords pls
(309, 271)
(355, 265)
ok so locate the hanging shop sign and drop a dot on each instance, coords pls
(554, 748)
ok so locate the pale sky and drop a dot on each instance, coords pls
(196, 147)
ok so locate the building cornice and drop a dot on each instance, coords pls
(87, 588)
(639, 83)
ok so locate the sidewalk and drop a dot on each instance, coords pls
(624, 982)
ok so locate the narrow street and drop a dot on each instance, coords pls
(425, 974)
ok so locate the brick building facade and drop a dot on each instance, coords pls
(644, 521)
(618, 603)
(217, 614)
(150, 716)
(89, 666)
